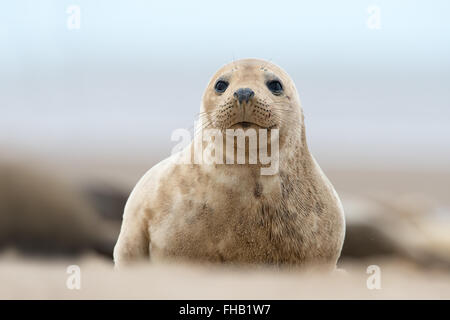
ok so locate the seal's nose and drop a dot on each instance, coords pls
(244, 94)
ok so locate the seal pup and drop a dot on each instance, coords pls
(232, 213)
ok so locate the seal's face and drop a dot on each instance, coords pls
(250, 93)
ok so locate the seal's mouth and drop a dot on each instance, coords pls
(247, 124)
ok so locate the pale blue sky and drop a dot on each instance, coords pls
(322, 33)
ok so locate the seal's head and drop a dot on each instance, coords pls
(251, 93)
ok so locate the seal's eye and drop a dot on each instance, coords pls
(221, 86)
(275, 86)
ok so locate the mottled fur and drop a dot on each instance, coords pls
(232, 213)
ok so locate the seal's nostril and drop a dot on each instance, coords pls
(244, 94)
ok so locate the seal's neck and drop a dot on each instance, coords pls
(294, 152)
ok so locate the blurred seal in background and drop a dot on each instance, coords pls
(41, 214)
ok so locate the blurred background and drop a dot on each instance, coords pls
(90, 92)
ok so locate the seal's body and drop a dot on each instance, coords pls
(231, 212)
